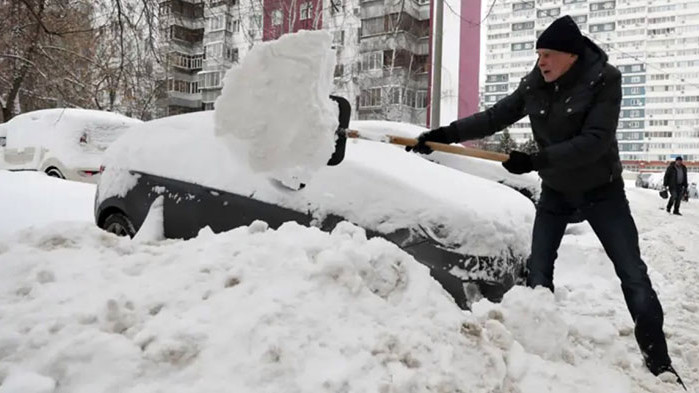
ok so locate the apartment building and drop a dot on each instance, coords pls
(182, 27)
(382, 49)
(655, 44)
(392, 71)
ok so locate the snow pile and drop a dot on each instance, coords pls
(299, 310)
(294, 310)
(33, 199)
(253, 309)
(152, 229)
(275, 106)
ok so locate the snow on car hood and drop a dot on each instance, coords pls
(486, 169)
(59, 131)
(377, 186)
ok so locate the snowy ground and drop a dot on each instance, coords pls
(298, 310)
(34, 199)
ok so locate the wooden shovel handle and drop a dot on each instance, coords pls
(461, 150)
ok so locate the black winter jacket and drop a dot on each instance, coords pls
(670, 179)
(573, 120)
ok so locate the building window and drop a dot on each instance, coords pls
(606, 5)
(181, 86)
(339, 71)
(218, 3)
(339, 37)
(210, 79)
(523, 26)
(370, 98)
(421, 99)
(523, 5)
(522, 46)
(306, 11)
(277, 17)
(214, 51)
(164, 9)
(553, 12)
(373, 26)
(232, 54)
(192, 62)
(602, 27)
(394, 95)
(233, 25)
(496, 78)
(217, 22)
(409, 98)
(372, 61)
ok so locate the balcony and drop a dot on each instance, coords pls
(399, 40)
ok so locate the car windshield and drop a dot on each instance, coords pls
(97, 137)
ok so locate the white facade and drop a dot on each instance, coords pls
(231, 29)
(382, 50)
(655, 44)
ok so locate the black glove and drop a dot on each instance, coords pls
(440, 135)
(520, 163)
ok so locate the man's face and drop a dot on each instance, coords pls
(553, 63)
(678, 162)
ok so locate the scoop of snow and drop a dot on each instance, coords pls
(275, 106)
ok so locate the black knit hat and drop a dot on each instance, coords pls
(678, 158)
(562, 35)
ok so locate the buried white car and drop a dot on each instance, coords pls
(67, 143)
(472, 233)
(528, 184)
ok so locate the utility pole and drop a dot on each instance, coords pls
(436, 65)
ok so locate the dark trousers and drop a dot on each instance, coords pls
(676, 194)
(607, 211)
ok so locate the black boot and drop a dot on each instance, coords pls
(657, 370)
(677, 213)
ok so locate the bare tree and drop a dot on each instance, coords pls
(126, 56)
(42, 53)
(78, 53)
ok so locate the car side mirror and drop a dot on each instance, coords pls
(340, 133)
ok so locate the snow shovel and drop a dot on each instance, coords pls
(461, 150)
(343, 132)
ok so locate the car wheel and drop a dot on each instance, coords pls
(53, 172)
(119, 224)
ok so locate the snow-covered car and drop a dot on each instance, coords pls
(656, 180)
(528, 184)
(66, 143)
(472, 233)
(642, 180)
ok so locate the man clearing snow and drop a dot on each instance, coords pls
(573, 101)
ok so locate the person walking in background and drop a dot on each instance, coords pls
(573, 99)
(676, 182)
